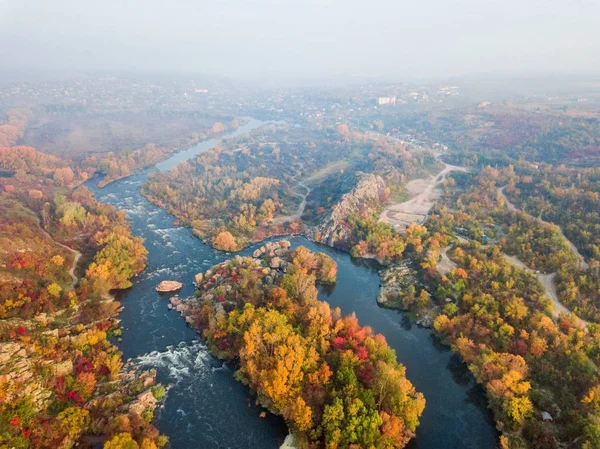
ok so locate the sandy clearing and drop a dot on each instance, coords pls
(423, 194)
(445, 265)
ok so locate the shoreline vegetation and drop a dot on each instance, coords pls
(126, 163)
(235, 194)
(533, 362)
(521, 340)
(62, 382)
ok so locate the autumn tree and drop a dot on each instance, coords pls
(224, 241)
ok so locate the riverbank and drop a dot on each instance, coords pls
(291, 347)
(122, 167)
(206, 407)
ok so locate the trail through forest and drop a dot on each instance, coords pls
(582, 263)
(76, 254)
(547, 281)
(328, 169)
(76, 257)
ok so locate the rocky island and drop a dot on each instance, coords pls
(168, 286)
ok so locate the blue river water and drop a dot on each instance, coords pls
(205, 407)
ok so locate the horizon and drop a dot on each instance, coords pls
(262, 39)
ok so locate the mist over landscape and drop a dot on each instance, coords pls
(325, 39)
(300, 224)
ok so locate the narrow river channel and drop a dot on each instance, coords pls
(206, 408)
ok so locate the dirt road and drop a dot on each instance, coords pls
(547, 281)
(582, 263)
(510, 205)
(76, 257)
(298, 214)
(423, 194)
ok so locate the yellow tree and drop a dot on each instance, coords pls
(224, 241)
(121, 441)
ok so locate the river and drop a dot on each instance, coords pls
(205, 407)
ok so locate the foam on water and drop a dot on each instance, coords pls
(182, 361)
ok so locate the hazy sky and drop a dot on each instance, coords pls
(389, 38)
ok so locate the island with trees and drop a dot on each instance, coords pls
(337, 384)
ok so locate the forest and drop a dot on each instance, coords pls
(552, 134)
(528, 363)
(569, 198)
(82, 164)
(62, 252)
(506, 270)
(256, 186)
(548, 228)
(336, 383)
(499, 317)
(123, 163)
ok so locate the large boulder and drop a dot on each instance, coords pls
(198, 279)
(289, 442)
(276, 262)
(363, 198)
(168, 286)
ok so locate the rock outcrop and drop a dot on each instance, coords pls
(168, 286)
(144, 401)
(289, 442)
(364, 198)
(394, 283)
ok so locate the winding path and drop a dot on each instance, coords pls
(76, 254)
(76, 257)
(582, 263)
(547, 280)
(446, 265)
(298, 214)
(328, 169)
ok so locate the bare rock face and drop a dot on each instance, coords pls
(64, 368)
(168, 286)
(364, 197)
(144, 401)
(198, 279)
